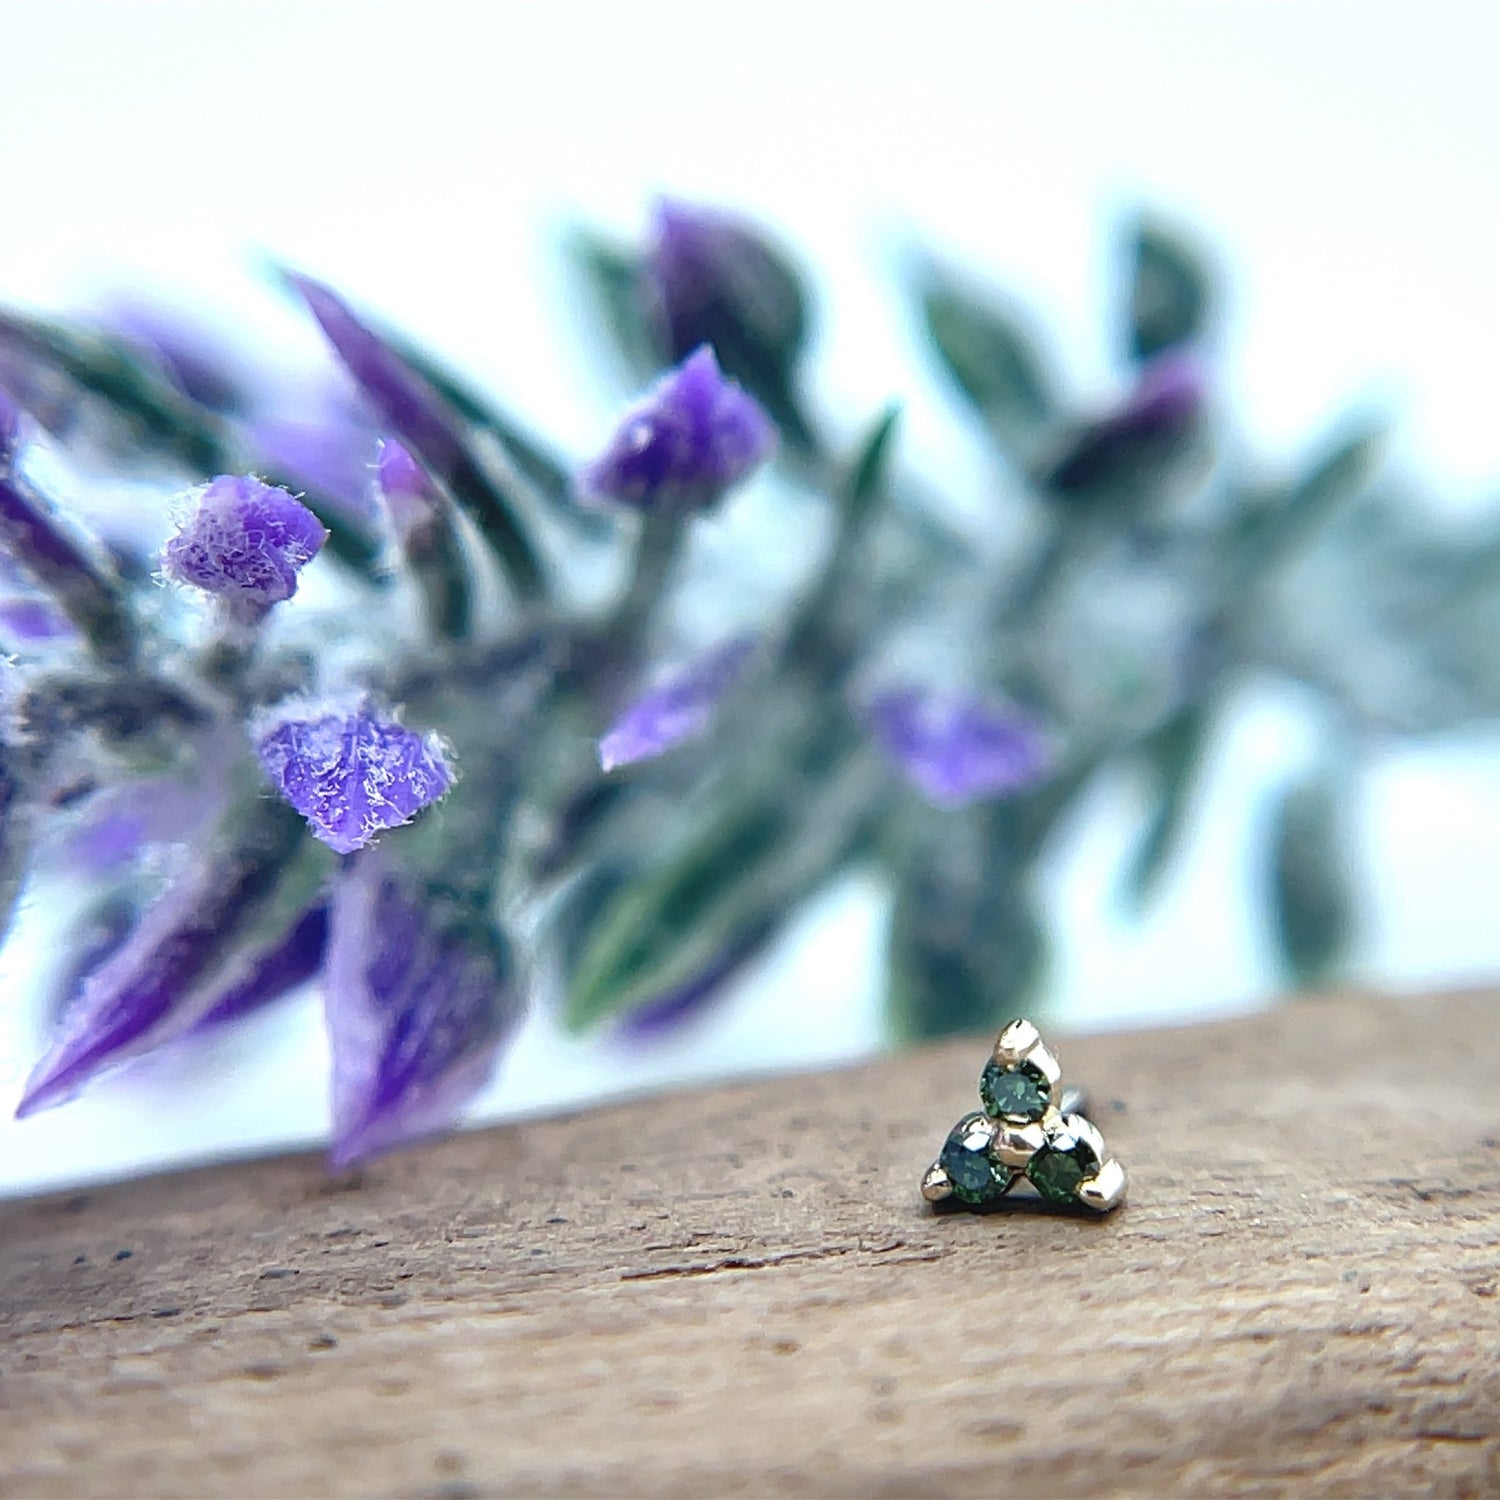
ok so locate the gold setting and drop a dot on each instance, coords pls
(1010, 1145)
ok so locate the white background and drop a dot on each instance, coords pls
(1341, 157)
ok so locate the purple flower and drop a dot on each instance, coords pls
(714, 274)
(245, 544)
(419, 998)
(694, 436)
(171, 969)
(353, 775)
(958, 750)
(410, 498)
(1159, 414)
(677, 709)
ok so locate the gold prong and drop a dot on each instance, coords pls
(1105, 1189)
(1015, 1145)
(1073, 1130)
(1040, 1057)
(977, 1131)
(935, 1184)
(1073, 1101)
(1015, 1043)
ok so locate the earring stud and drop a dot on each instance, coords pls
(1031, 1127)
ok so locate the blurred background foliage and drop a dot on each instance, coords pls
(1134, 568)
(417, 161)
(1139, 567)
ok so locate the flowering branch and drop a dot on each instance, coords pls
(392, 732)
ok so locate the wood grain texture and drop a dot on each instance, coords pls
(738, 1291)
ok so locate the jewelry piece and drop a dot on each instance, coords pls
(1030, 1127)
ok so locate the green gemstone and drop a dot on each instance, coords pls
(975, 1178)
(1056, 1174)
(1014, 1094)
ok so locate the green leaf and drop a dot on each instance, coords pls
(989, 355)
(437, 435)
(967, 945)
(1169, 290)
(1312, 904)
(614, 280)
(761, 852)
(157, 414)
(15, 840)
(1278, 526)
(867, 475)
(661, 930)
(549, 477)
(1173, 757)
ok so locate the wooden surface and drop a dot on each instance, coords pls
(738, 1291)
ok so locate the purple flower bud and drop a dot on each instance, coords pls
(1159, 414)
(245, 544)
(419, 998)
(694, 436)
(679, 708)
(715, 275)
(409, 495)
(353, 775)
(958, 750)
(404, 401)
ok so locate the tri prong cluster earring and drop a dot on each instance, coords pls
(1030, 1127)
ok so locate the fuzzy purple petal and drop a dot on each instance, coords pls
(677, 709)
(353, 775)
(694, 436)
(245, 543)
(958, 750)
(419, 1000)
